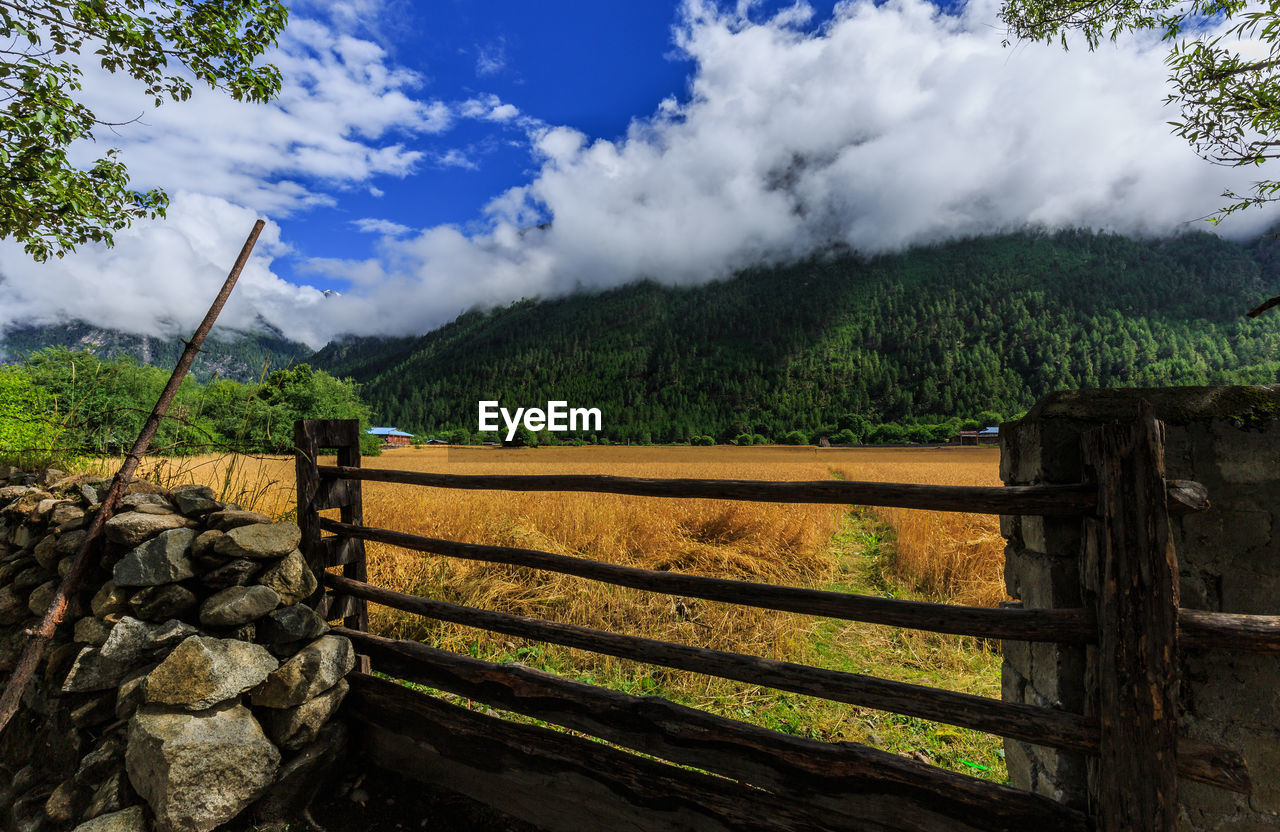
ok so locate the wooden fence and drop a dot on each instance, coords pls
(695, 770)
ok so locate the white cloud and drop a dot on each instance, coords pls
(888, 126)
(344, 116)
(891, 125)
(370, 225)
(491, 58)
(161, 276)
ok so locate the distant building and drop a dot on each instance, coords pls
(986, 436)
(391, 436)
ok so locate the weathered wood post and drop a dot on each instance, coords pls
(1134, 784)
(316, 494)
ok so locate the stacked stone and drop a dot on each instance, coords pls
(189, 682)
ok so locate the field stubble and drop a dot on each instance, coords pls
(917, 554)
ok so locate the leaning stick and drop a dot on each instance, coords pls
(42, 634)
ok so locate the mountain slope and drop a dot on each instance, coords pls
(987, 324)
(226, 354)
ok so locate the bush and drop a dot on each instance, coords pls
(844, 437)
(797, 437)
(702, 440)
(759, 439)
(744, 439)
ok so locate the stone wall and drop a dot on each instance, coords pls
(1227, 438)
(187, 687)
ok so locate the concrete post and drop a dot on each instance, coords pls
(1227, 438)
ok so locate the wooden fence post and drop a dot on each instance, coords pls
(315, 494)
(1135, 785)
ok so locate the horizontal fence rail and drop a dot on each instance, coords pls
(1029, 723)
(1064, 626)
(1229, 631)
(1183, 496)
(830, 775)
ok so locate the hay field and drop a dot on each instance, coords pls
(933, 555)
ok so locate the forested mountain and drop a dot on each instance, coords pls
(226, 354)
(955, 329)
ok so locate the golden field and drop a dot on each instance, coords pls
(939, 556)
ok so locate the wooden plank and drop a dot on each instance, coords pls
(340, 550)
(337, 606)
(832, 777)
(1043, 726)
(1047, 500)
(1229, 631)
(306, 448)
(1042, 500)
(1136, 781)
(1060, 625)
(563, 783)
(333, 493)
(355, 616)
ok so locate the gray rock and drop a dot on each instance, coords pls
(195, 500)
(203, 548)
(231, 518)
(95, 710)
(109, 600)
(198, 770)
(160, 603)
(238, 605)
(46, 551)
(203, 671)
(22, 536)
(133, 819)
(13, 492)
(100, 762)
(132, 693)
(66, 512)
(30, 578)
(132, 528)
(315, 669)
(40, 597)
(51, 476)
(112, 795)
(156, 509)
(13, 606)
(90, 495)
(291, 578)
(67, 802)
(292, 728)
(161, 560)
(291, 624)
(259, 541)
(69, 543)
(91, 630)
(45, 507)
(130, 644)
(234, 573)
(138, 499)
(64, 565)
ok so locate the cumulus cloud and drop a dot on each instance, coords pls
(888, 126)
(345, 115)
(161, 276)
(370, 225)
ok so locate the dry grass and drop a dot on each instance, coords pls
(949, 556)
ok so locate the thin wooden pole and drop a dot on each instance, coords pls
(40, 636)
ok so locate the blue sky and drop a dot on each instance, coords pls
(425, 159)
(591, 65)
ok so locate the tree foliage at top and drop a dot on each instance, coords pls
(48, 204)
(1224, 67)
